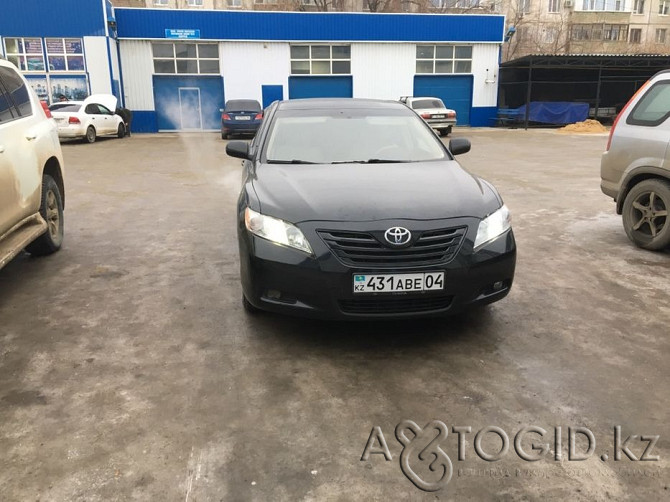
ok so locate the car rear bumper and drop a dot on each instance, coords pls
(441, 124)
(283, 280)
(73, 131)
(240, 127)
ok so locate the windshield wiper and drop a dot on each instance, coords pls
(372, 161)
(294, 161)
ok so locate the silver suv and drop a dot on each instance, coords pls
(31, 171)
(635, 168)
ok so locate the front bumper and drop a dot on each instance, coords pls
(284, 280)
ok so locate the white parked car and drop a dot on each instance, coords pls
(88, 119)
(433, 111)
(31, 171)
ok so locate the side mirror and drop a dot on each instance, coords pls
(458, 146)
(238, 149)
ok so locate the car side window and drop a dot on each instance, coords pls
(92, 109)
(17, 92)
(104, 110)
(654, 107)
(6, 110)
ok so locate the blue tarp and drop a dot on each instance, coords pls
(550, 112)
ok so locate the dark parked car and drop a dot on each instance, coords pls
(354, 208)
(241, 116)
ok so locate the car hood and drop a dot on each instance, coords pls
(366, 192)
(109, 101)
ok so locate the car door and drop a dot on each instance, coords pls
(19, 171)
(108, 119)
(98, 119)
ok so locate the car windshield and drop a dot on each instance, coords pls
(65, 107)
(243, 105)
(349, 136)
(427, 103)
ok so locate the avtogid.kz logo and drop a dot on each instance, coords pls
(426, 464)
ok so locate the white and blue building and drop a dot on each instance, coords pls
(176, 68)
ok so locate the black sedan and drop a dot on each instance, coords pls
(354, 208)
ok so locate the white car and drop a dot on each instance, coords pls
(88, 119)
(433, 111)
(31, 171)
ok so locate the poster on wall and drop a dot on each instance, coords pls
(40, 86)
(72, 87)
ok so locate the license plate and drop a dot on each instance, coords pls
(398, 283)
(438, 116)
(242, 117)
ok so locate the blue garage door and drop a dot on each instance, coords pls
(320, 87)
(454, 90)
(188, 103)
(272, 93)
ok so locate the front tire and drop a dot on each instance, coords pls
(51, 210)
(90, 135)
(121, 131)
(645, 214)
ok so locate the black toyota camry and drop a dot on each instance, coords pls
(354, 208)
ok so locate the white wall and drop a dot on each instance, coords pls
(97, 65)
(138, 68)
(485, 57)
(383, 71)
(248, 65)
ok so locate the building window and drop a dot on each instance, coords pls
(638, 7)
(524, 6)
(182, 57)
(65, 54)
(604, 5)
(554, 6)
(25, 53)
(268, 2)
(194, 3)
(635, 35)
(615, 32)
(320, 59)
(443, 58)
(664, 7)
(234, 3)
(160, 2)
(607, 32)
(661, 35)
(549, 34)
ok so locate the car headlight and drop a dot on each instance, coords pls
(493, 225)
(276, 230)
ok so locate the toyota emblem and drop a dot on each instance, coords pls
(397, 236)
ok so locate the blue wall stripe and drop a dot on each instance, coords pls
(39, 18)
(246, 25)
(144, 121)
(483, 116)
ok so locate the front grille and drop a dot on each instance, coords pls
(362, 248)
(394, 305)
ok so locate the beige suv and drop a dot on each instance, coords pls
(31, 171)
(635, 168)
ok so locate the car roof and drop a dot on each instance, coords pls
(338, 103)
